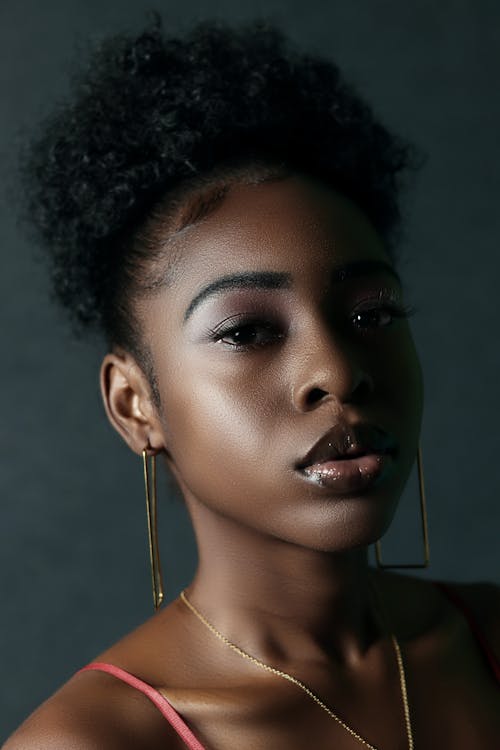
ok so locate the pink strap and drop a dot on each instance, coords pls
(165, 708)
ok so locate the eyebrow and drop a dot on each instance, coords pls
(277, 280)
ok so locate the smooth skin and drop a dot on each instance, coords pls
(283, 566)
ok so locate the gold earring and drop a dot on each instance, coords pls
(425, 530)
(151, 508)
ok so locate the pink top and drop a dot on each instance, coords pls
(182, 729)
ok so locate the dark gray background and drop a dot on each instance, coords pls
(74, 566)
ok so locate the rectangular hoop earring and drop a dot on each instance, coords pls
(152, 513)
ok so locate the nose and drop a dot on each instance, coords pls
(328, 367)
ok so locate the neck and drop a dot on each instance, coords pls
(277, 600)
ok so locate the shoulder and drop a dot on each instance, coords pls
(419, 603)
(482, 601)
(94, 711)
(482, 595)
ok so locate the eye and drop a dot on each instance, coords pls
(247, 333)
(385, 313)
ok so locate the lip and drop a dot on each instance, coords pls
(350, 475)
(344, 442)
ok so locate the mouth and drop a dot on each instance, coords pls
(349, 458)
(347, 475)
(346, 441)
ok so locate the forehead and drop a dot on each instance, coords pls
(282, 224)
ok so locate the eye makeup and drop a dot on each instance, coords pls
(250, 321)
(247, 318)
(357, 269)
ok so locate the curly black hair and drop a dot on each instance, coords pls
(156, 129)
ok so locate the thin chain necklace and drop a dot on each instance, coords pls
(290, 678)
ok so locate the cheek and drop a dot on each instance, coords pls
(221, 424)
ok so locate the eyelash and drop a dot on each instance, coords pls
(391, 305)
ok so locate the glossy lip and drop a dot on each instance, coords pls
(344, 441)
(349, 475)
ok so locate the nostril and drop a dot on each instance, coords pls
(315, 395)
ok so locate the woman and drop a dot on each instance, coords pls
(225, 210)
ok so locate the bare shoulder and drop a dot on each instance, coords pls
(90, 712)
(421, 605)
(482, 595)
(482, 599)
(419, 600)
(59, 724)
(96, 711)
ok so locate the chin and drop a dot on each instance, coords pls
(340, 524)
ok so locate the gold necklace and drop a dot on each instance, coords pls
(290, 678)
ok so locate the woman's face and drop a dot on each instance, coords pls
(257, 353)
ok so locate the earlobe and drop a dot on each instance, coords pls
(127, 402)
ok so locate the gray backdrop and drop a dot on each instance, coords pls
(74, 566)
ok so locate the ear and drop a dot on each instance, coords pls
(128, 403)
